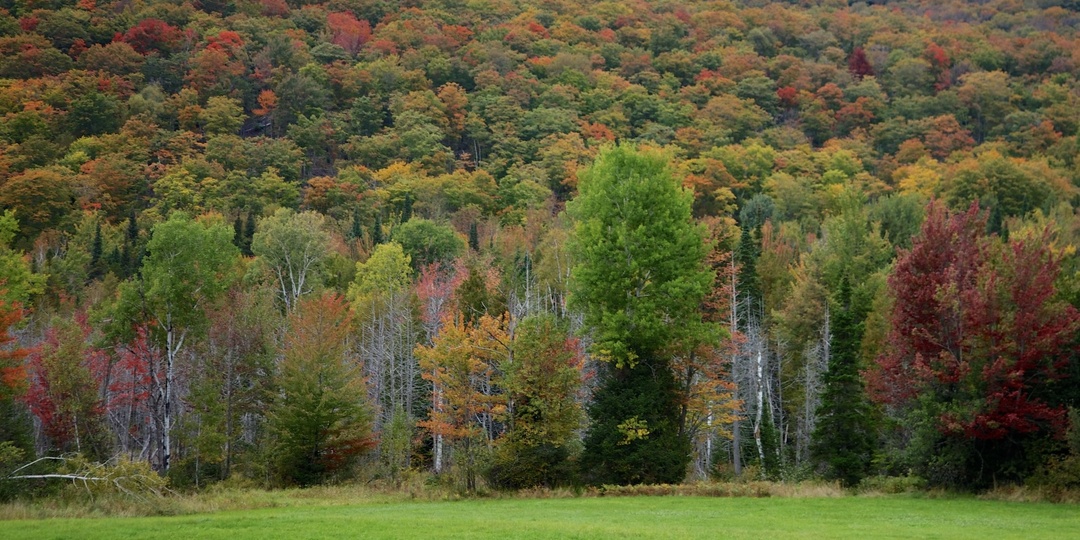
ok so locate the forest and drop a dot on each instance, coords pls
(503, 244)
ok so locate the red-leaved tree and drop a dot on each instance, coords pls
(66, 376)
(979, 338)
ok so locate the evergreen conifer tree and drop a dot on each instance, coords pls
(843, 438)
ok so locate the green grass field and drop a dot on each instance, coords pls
(605, 517)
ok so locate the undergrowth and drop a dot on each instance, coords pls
(76, 503)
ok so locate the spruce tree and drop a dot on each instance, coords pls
(474, 238)
(377, 232)
(634, 435)
(238, 233)
(96, 263)
(843, 438)
(749, 285)
(249, 235)
(356, 231)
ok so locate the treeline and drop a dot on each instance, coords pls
(206, 206)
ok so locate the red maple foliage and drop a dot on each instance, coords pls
(12, 369)
(66, 377)
(347, 31)
(977, 328)
(151, 35)
(858, 65)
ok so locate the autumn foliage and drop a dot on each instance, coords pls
(979, 335)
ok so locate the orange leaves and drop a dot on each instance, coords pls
(348, 32)
(318, 330)
(268, 101)
(461, 364)
(226, 40)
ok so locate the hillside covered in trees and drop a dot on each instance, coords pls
(536, 243)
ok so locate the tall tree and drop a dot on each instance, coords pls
(382, 302)
(228, 387)
(640, 280)
(319, 416)
(14, 426)
(65, 394)
(461, 364)
(189, 266)
(843, 439)
(542, 381)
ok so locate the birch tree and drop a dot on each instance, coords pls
(189, 266)
(293, 247)
(382, 301)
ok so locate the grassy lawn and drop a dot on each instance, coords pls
(606, 517)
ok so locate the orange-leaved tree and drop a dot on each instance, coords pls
(462, 365)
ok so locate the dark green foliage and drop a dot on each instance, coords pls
(474, 238)
(238, 232)
(249, 235)
(843, 441)
(633, 435)
(544, 464)
(475, 299)
(97, 263)
(427, 242)
(377, 232)
(94, 114)
(746, 256)
(356, 230)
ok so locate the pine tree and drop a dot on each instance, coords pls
(249, 235)
(238, 233)
(377, 232)
(749, 285)
(356, 230)
(407, 208)
(131, 253)
(633, 435)
(97, 264)
(474, 238)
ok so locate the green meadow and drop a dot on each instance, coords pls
(591, 517)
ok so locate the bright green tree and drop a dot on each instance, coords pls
(427, 242)
(293, 248)
(17, 283)
(640, 279)
(189, 267)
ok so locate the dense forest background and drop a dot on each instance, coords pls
(294, 242)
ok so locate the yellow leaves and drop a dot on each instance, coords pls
(922, 178)
(461, 364)
(632, 429)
